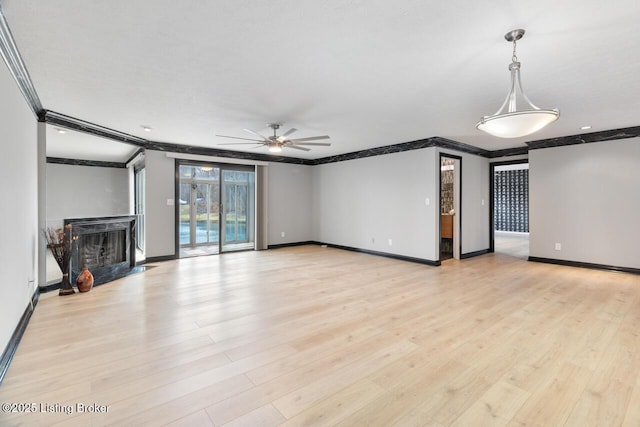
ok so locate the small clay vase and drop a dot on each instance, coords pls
(84, 280)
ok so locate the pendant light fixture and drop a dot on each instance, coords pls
(517, 116)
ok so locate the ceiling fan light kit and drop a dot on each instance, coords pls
(276, 143)
(509, 121)
(275, 147)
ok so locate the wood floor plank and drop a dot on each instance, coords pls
(553, 400)
(496, 407)
(302, 398)
(311, 335)
(332, 409)
(200, 419)
(265, 416)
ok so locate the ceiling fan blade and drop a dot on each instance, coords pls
(260, 144)
(318, 144)
(289, 132)
(311, 138)
(235, 137)
(297, 148)
(264, 138)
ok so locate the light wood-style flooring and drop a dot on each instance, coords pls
(320, 336)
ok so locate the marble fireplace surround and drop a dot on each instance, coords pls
(104, 271)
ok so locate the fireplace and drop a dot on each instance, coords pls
(102, 249)
(105, 245)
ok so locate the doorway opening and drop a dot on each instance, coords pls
(450, 203)
(510, 208)
(215, 209)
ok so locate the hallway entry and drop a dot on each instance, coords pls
(510, 208)
(450, 185)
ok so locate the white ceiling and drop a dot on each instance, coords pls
(81, 146)
(368, 73)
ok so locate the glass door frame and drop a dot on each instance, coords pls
(221, 210)
(139, 203)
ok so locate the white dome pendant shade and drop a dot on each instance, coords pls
(508, 121)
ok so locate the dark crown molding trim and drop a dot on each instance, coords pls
(81, 162)
(378, 151)
(12, 346)
(73, 123)
(435, 141)
(18, 70)
(516, 151)
(585, 138)
(462, 147)
(585, 265)
(215, 152)
(62, 120)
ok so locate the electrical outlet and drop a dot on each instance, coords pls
(390, 242)
(558, 247)
(427, 201)
(373, 240)
(282, 234)
(482, 202)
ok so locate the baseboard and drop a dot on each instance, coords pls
(43, 289)
(385, 254)
(289, 245)
(159, 258)
(475, 253)
(585, 265)
(12, 346)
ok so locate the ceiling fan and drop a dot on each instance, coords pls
(276, 143)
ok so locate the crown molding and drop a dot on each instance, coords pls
(586, 138)
(18, 70)
(82, 162)
(215, 152)
(69, 122)
(516, 151)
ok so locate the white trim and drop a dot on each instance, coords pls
(216, 159)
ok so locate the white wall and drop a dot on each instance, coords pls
(159, 217)
(587, 198)
(289, 203)
(365, 202)
(85, 191)
(19, 213)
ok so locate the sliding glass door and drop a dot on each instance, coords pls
(238, 207)
(211, 207)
